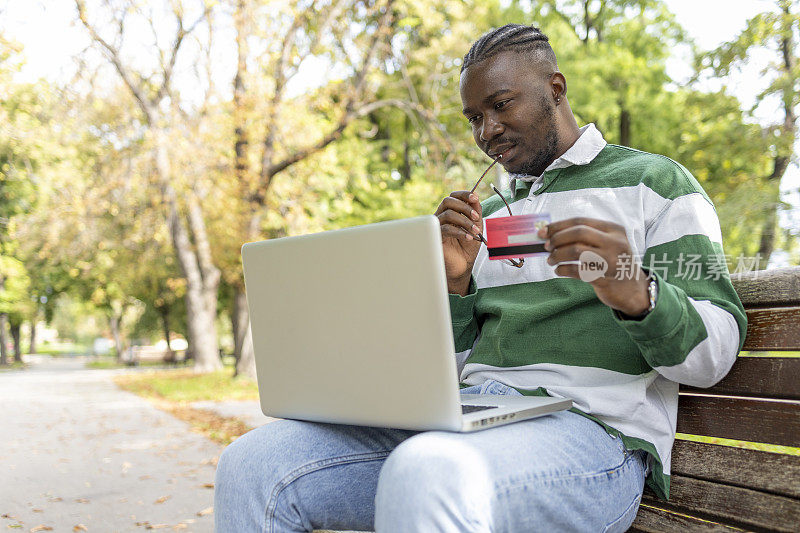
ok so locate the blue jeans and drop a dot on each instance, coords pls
(560, 472)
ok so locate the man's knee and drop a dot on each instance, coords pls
(250, 472)
(433, 480)
(232, 465)
(262, 455)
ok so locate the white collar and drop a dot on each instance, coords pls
(582, 152)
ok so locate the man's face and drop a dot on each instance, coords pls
(508, 101)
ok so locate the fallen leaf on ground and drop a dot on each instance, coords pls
(37, 510)
(56, 499)
(208, 485)
(207, 510)
(180, 526)
(162, 499)
(41, 527)
(10, 517)
(79, 527)
(143, 524)
(157, 526)
(81, 500)
(14, 526)
(145, 477)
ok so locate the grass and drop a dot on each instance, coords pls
(174, 390)
(184, 385)
(16, 365)
(67, 348)
(106, 363)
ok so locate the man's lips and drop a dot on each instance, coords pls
(503, 151)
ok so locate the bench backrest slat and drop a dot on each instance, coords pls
(773, 328)
(769, 472)
(764, 377)
(736, 506)
(653, 519)
(754, 420)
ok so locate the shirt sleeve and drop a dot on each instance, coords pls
(698, 325)
(462, 315)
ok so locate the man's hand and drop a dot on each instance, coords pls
(460, 218)
(623, 286)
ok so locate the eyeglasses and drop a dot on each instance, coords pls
(513, 262)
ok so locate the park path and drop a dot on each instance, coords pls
(79, 454)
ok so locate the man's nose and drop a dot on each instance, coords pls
(491, 129)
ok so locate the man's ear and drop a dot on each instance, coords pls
(558, 84)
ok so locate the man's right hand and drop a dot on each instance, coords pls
(460, 218)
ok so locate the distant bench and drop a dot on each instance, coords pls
(722, 488)
(140, 354)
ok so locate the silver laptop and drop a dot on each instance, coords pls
(352, 326)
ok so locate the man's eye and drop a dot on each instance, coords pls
(501, 104)
(472, 119)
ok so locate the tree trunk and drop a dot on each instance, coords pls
(32, 347)
(624, 127)
(3, 339)
(239, 320)
(785, 145)
(202, 277)
(247, 362)
(164, 312)
(201, 322)
(114, 323)
(15, 334)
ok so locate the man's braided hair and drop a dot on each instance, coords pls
(511, 37)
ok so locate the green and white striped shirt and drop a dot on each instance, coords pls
(543, 334)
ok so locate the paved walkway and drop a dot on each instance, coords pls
(79, 454)
(248, 411)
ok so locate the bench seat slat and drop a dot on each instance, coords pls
(765, 471)
(754, 420)
(774, 328)
(734, 506)
(655, 520)
(765, 377)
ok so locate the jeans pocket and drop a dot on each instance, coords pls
(492, 386)
(626, 519)
(621, 445)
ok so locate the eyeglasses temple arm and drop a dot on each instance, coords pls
(484, 173)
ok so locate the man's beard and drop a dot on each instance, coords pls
(540, 160)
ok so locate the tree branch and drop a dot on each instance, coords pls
(268, 169)
(112, 52)
(180, 35)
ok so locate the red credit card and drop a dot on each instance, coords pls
(513, 237)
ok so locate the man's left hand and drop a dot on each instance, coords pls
(584, 244)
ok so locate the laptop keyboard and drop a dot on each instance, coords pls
(465, 409)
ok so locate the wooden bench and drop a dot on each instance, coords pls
(725, 488)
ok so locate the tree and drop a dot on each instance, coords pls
(319, 30)
(159, 103)
(20, 155)
(618, 49)
(777, 32)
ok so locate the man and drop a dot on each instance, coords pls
(616, 344)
